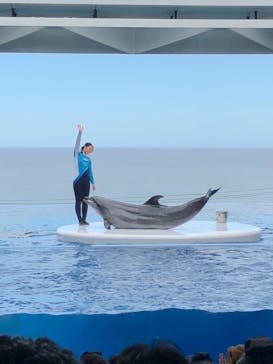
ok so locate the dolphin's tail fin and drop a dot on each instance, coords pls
(212, 192)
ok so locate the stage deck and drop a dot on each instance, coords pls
(193, 232)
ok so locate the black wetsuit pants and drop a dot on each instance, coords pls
(81, 190)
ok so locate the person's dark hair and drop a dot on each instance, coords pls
(258, 349)
(160, 355)
(20, 350)
(113, 359)
(167, 343)
(128, 355)
(92, 357)
(88, 144)
(201, 358)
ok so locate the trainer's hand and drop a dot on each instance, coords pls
(93, 187)
(80, 127)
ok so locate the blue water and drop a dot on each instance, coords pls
(191, 330)
(42, 276)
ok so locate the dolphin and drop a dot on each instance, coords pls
(150, 215)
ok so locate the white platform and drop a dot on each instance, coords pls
(192, 232)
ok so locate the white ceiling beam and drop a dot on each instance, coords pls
(137, 23)
(222, 3)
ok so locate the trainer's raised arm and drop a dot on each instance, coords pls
(78, 142)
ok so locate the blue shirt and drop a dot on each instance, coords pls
(82, 162)
(85, 164)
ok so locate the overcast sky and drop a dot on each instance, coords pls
(137, 100)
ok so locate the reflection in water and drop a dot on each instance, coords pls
(42, 275)
(220, 226)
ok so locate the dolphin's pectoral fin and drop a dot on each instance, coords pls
(106, 224)
(153, 200)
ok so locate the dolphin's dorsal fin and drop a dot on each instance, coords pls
(153, 201)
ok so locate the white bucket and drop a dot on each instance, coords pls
(221, 217)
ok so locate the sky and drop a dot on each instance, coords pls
(184, 101)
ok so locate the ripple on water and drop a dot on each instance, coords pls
(41, 275)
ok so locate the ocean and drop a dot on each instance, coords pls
(42, 276)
